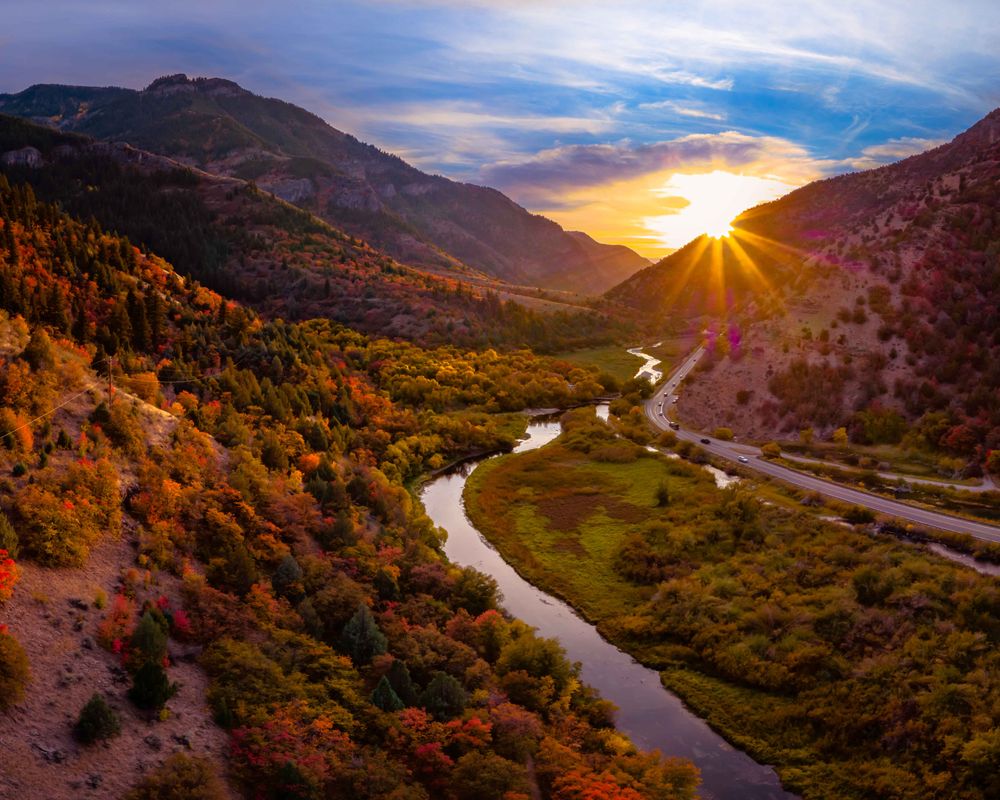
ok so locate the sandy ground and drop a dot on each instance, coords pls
(53, 616)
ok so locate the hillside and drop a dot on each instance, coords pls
(868, 301)
(224, 556)
(286, 263)
(418, 218)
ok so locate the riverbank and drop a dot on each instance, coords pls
(743, 633)
(650, 715)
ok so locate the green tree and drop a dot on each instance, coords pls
(39, 352)
(97, 720)
(287, 578)
(151, 688)
(401, 682)
(361, 637)
(385, 698)
(149, 640)
(444, 697)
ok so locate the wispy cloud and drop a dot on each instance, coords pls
(543, 177)
(895, 149)
(578, 107)
(683, 110)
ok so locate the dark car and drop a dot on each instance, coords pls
(675, 425)
(705, 441)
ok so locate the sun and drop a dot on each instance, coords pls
(718, 230)
(708, 202)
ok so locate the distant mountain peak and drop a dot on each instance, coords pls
(216, 125)
(170, 84)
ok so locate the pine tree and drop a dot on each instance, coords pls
(385, 698)
(361, 638)
(444, 697)
(97, 720)
(39, 352)
(401, 682)
(151, 688)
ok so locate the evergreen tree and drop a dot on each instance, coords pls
(149, 641)
(361, 637)
(444, 697)
(39, 353)
(151, 688)
(97, 720)
(287, 577)
(385, 698)
(401, 682)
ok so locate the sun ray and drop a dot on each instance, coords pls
(748, 264)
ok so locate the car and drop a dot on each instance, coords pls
(705, 441)
(676, 399)
(743, 460)
(675, 425)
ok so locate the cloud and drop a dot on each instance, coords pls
(656, 196)
(894, 150)
(683, 110)
(543, 178)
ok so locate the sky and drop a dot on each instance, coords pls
(642, 123)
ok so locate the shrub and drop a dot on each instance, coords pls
(725, 434)
(485, 775)
(771, 450)
(858, 515)
(97, 721)
(9, 575)
(180, 777)
(8, 537)
(14, 671)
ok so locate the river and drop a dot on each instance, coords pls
(652, 716)
(650, 366)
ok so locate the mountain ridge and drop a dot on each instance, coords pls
(867, 301)
(218, 126)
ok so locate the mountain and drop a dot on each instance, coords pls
(278, 258)
(223, 559)
(869, 300)
(429, 220)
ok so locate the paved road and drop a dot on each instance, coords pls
(657, 409)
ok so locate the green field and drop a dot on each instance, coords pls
(615, 360)
(612, 359)
(795, 638)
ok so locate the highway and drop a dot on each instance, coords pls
(657, 410)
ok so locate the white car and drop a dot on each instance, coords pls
(743, 460)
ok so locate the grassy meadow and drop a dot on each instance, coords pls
(820, 649)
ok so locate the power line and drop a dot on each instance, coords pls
(46, 414)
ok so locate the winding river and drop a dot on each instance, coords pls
(652, 716)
